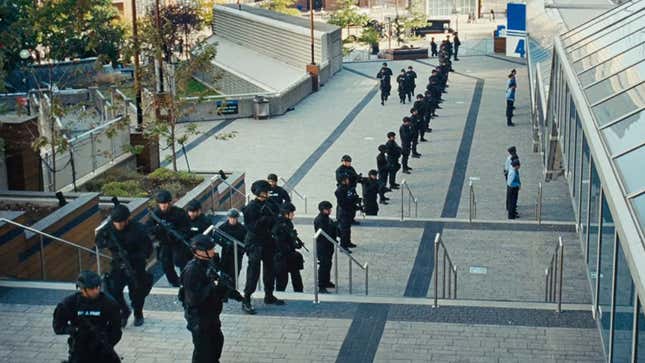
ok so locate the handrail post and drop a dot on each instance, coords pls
(470, 201)
(98, 260)
(80, 260)
(336, 267)
(561, 274)
(305, 204)
(314, 251)
(366, 277)
(212, 196)
(454, 295)
(449, 278)
(402, 187)
(230, 198)
(436, 267)
(546, 285)
(443, 274)
(350, 275)
(416, 208)
(235, 264)
(42, 259)
(538, 207)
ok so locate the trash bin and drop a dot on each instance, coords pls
(260, 107)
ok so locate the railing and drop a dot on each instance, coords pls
(351, 260)
(230, 191)
(214, 230)
(411, 199)
(294, 191)
(553, 276)
(452, 272)
(472, 202)
(78, 247)
(538, 204)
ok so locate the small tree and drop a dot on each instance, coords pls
(347, 15)
(281, 6)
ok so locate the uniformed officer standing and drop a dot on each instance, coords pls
(204, 289)
(260, 246)
(423, 114)
(411, 76)
(325, 248)
(347, 201)
(405, 133)
(513, 182)
(130, 248)
(383, 171)
(288, 261)
(171, 251)
(91, 319)
(385, 76)
(197, 220)
(402, 82)
(370, 191)
(346, 170)
(277, 194)
(235, 229)
(415, 125)
(393, 155)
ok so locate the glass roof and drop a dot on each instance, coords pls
(616, 83)
(612, 66)
(608, 38)
(638, 204)
(626, 134)
(607, 52)
(619, 105)
(633, 176)
(628, 21)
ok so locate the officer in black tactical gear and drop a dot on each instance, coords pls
(348, 203)
(383, 171)
(259, 219)
(346, 170)
(235, 229)
(277, 194)
(91, 319)
(204, 288)
(288, 261)
(198, 222)
(415, 124)
(325, 248)
(406, 134)
(393, 154)
(371, 188)
(171, 251)
(385, 76)
(130, 247)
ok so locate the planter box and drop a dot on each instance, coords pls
(406, 53)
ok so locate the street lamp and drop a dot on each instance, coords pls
(137, 72)
(312, 68)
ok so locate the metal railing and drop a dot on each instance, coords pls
(294, 191)
(472, 202)
(538, 204)
(553, 276)
(411, 199)
(212, 229)
(339, 249)
(452, 272)
(231, 190)
(78, 247)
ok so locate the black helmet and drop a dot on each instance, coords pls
(120, 213)
(202, 243)
(382, 148)
(324, 205)
(88, 280)
(163, 196)
(287, 208)
(193, 205)
(260, 186)
(372, 172)
(512, 149)
(272, 177)
(233, 213)
(346, 158)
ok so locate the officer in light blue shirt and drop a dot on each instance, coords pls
(513, 183)
(511, 85)
(512, 155)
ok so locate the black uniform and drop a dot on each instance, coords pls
(456, 43)
(433, 49)
(171, 252)
(383, 171)
(343, 172)
(137, 247)
(324, 248)
(94, 326)
(238, 232)
(198, 225)
(370, 191)
(393, 154)
(423, 117)
(288, 261)
(411, 76)
(385, 75)
(415, 125)
(278, 195)
(347, 201)
(405, 133)
(260, 246)
(402, 81)
(202, 300)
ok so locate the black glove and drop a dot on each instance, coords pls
(235, 295)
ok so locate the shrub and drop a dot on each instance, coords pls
(127, 188)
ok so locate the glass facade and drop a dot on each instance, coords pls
(605, 274)
(624, 300)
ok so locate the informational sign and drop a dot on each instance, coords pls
(478, 270)
(516, 30)
(231, 107)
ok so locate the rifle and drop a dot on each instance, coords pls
(86, 335)
(227, 237)
(299, 242)
(121, 252)
(167, 227)
(215, 273)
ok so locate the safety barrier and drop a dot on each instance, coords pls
(538, 204)
(472, 202)
(553, 276)
(212, 229)
(452, 272)
(294, 191)
(231, 190)
(411, 199)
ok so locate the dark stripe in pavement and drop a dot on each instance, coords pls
(364, 335)
(451, 203)
(199, 139)
(329, 141)
(421, 274)
(358, 72)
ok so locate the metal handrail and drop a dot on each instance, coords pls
(538, 204)
(351, 260)
(554, 276)
(472, 202)
(231, 190)
(54, 238)
(294, 191)
(213, 229)
(452, 272)
(411, 199)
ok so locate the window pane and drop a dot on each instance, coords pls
(611, 36)
(578, 160)
(608, 19)
(571, 160)
(612, 66)
(606, 272)
(620, 105)
(633, 176)
(616, 83)
(593, 226)
(623, 310)
(626, 22)
(625, 134)
(638, 204)
(584, 187)
(607, 53)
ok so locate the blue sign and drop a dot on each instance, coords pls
(516, 16)
(231, 107)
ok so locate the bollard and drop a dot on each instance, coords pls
(366, 277)
(436, 265)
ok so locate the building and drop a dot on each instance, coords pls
(594, 136)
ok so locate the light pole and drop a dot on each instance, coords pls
(137, 71)
(312, 68)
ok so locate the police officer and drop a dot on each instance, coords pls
(130, 248)
(235, 229)
(288, 261)
(370, 191)
(202, 295)
(423, 116)
(411, 76)
(346, 170)
(382, 168)
(260, 246)
(91, 319)
(393, 154)
(277, 194)
(405, 133)
(198, 222)
(415, 125)
(385, 75)
(514, 184)
(348, 202)
(172, 252)
(402, 82)
(325, 248)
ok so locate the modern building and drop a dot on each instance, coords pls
(593, 131)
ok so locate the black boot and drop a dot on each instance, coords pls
(247, 306)
(138, 318)
(270, 299)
